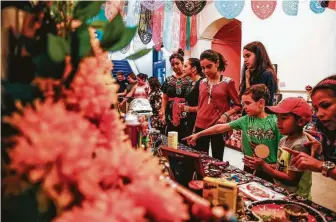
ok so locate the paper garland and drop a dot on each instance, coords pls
(168, 26)
(229, 9)
(316, 7)
(193, 32)
(183, 31)
(125, 50)
(290, 8)
(176, 30)
(112, 8)
(157, 21)
(133, 13)
(137, 43)
(190, 8)
(145, 23)
(152, 5)
(263, 8)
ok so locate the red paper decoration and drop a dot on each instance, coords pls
(183, 31)
(157, 22)
(193, 34)
(263, 8)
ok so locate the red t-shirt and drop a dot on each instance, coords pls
(221, 95)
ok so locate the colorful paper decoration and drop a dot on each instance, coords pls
(145, 23)
(152, 5)
(263, 8)
(229, 9)
(193, 32)
(168, 26)
(189, 7)
(157, 28)
(188, 32)
(133, 12)
(112, 8)
(183, 31)
(290, 8)
(316, 7)
(137, 43)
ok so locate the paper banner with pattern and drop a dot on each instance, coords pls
(316, 7)
(152, 4)
(168, 26)
(145, 25)
(157, 21)
(137, 43)
(189, 7)
(263, 8)
(183, 31)
(290, 8)
(112, 8)
(188, 33)
(193, 32)
(133, 12)
(230, 8)
(176, 30)
(125, 50)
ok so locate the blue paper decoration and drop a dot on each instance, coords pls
(316, 7)
(290, 8)
(133, 13)
(229, 8)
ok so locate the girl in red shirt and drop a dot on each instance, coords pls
(216, 93)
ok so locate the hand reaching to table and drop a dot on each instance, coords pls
(191, 140)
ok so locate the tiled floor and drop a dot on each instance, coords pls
(323, 189)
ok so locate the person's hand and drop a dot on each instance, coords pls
(223, 119)
(315, 146)
(191, 140)
(303, 161)
(162, 116)
(247, 74)
(253, 162)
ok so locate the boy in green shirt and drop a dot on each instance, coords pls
(258, 127)
(293, 114)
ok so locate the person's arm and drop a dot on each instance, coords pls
(122, 93)
(130, 94)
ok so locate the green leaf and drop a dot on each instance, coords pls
(86, 9)
(98, 24)
(138, 54)
(80, 43)
(116, 35)
(58, 48)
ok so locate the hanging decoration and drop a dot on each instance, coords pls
(112, 8)
(152, 5)
(137, 43)
(190, 8)
(193, 31)
(188, 33)
(183, 31)
(157, 28)
(263, 8)
(144, 28)
(315, 6)
(168, 26)
(176, 27)
(125, 50)
(133, 13)
(290, 8)
(229, 9)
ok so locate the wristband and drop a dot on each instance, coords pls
(226, 115)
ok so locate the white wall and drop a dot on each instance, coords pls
(303, 46)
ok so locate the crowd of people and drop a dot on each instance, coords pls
(197, 101)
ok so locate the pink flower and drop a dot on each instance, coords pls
(116, 207)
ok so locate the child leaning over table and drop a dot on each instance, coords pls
(258, 128)
(293, 114)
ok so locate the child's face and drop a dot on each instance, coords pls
(324, 103)
(177, 65)
(287, 124)
(209, 68)
(252, 107)
(249, 59)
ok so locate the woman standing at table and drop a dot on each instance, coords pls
(174, 93)
(155, 100)
(324, 102)
(139, 90)
(258, 69)
(215, 94)
(192, 68)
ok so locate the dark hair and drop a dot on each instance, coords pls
(178, 55)
(154, 83)
(132, 75)
(194, 62)
(120, 73)
(142, 76)
(215, 57)
(263, 62)
(258, 91)
(327, 83)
